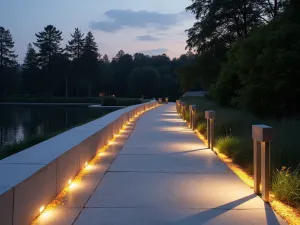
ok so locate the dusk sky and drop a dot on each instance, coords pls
(152, 27)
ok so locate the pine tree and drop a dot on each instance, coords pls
(119, 55)
(7, 54)
(76, 45)
(8, 71)
(105, 59)
(90, 48)
(31, 59)
(30, 72)
(48, 43)
(90, 60)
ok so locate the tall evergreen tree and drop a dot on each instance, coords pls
(90, 60)
(8, 63)
(30, 72)
(74, 50)
(105, 59)
(48, 43)
(76, 45)
(7, 54)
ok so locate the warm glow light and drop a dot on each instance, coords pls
(287, 212)
(47, 212)
(42, 209)
(73, 185)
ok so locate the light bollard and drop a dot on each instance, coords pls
(210, 116)
(262, 136)
(192, 109)
(179, 108)
(160, 100)
(183, 110)
(167, 100)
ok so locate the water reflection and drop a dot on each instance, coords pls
(17, 122)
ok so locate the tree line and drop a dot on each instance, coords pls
(79, 70)
(248, 54)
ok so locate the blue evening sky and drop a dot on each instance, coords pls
(149, 26)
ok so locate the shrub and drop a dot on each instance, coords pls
(187, 115)
(202, 128)
(228, 145)
(286, 186)
(110, 101)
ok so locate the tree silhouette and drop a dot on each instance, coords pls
(90, 61)
(7, 54)
(75, 46)
(48, 43)
(30, 73)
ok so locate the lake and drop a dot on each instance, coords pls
(18, 122)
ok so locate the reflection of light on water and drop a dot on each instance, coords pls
(19, 133)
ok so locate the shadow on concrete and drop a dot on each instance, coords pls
(207, 215)
(270, 216)
(188, 151)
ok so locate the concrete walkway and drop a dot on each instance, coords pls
(164, 175)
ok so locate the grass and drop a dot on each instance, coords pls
(228, 145)
(187, 115)
(233, 132)
(286, 186)
(201, 127)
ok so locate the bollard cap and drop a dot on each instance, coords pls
(210, 114)
(192, 107)
(262, 133)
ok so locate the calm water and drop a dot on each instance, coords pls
(17, 122)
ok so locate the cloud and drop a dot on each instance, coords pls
(147, 38)
(118, 19)
(157, 51)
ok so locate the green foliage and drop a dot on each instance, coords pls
(202, 128)
(144, 81)
(262, 71)
(286, 186)
(187, 115)
(228, 145)
(225, 21)
(238, 123)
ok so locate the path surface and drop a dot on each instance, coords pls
(164, 175)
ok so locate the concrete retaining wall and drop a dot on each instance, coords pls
(32, 178)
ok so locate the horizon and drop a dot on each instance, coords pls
(152, 28)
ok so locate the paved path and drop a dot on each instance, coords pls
(164, 175)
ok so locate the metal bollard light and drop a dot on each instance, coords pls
(262, 136)
(167, 100)
(192, 109)
(210, 115)
(160, 100)
(179, 107)
(183, 110)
